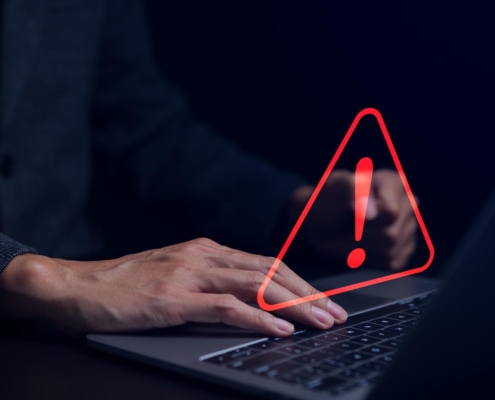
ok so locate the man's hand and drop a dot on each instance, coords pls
(194, 281)
(390, 228)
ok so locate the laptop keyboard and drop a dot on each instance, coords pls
(337, 360)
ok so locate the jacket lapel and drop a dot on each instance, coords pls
(21, 29)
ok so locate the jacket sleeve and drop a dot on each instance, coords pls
(172, 161)
(9, 249)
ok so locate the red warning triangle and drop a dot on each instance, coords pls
(272, 307)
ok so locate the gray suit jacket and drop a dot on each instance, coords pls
(83, 102)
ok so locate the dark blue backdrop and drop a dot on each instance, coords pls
(284, 79)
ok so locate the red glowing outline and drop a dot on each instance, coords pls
(272, 307)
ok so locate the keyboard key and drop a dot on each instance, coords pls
(384, 334)
(308, 334)
(352, 332)
(312, 343)
(219, 360)
(365, 340)
(392, 343)
(347, 346)
(241, 352)
(423, 300)
(368, 326)
(305, 374)
(257, 363)
(386, 359)
(411, 323)
(317, 370)
(313, 383)
(416, 312)
(385, 321)
(306, 359)
(412, 304)
(285, 340)
(353, 373)
(400, 329)
(337, 362)
(373, 366)
(376, 350)
(357, 356)
(264, 345)
(300, 377)
(292, 349)
(332, 337)
(327, 352)
(325, 366)
(278, 369)
(285, 379)
(327, 383)
(401, 316)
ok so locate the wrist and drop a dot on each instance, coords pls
(25, 286)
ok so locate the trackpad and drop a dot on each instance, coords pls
(355, 302)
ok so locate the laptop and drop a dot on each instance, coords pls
(404, 339)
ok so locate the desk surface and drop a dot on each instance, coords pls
(37, 362)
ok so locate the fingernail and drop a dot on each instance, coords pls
(337, 311)
(283, 325)
(322, 315)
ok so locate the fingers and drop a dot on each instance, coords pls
(288, 286)
(389, 195)
(245, 285)
(395, 255)
(284, 277)
(341, 184)
(395, 232)
(288, 279)
(228, 309)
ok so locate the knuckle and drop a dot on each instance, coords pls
(173, 314)
(259, 319)
(157, 255)
(204, 241)
(391, 235)
(162, 288)
(267, 263)
(282, 269)
(302, 309)
(413, 227)
(387, 174)
(193, 246)
(255, 280)
(226, 304)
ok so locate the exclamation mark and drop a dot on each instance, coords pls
(364, 172)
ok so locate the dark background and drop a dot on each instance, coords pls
(284, 80)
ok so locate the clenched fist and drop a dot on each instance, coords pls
(390, 229)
